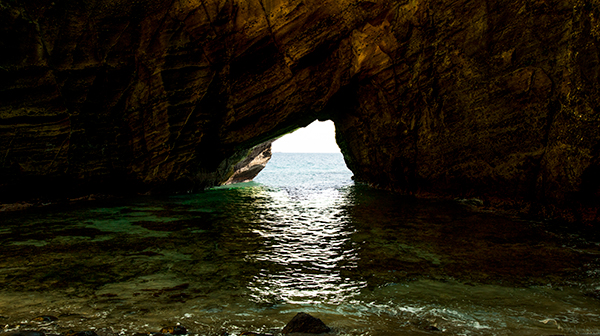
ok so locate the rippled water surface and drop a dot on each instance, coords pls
(302, 237)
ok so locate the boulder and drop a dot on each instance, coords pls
(305, 323)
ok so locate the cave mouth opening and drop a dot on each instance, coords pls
(317, 137)
(309, 157)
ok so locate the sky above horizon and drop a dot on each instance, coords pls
(318, 137)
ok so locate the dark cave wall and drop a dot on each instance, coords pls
(157, 95)
(493, 99)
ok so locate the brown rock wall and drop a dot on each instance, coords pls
(482, 102)
(493, 99)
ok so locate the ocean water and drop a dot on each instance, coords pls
(301, 237)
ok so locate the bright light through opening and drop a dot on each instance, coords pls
(318, 137)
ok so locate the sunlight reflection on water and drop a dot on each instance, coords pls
(248, 257)
(312, 245)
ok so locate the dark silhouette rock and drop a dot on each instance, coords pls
(305, 323)
(81, 333)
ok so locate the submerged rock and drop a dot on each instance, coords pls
(175, 330)
(81, 333)
(305, 323)
(46, 318)
(23, 333)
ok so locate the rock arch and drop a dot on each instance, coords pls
(462, 98)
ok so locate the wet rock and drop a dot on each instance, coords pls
(23, 333)
(470, 201)
(81, 333)
(109, 295)
(594, 294)
(46, 318)
(305, 323)
(106, 331)
(176, 330)
(432, 328)
(181, 297)
(176, 288)
(15, 206)
(145, 253)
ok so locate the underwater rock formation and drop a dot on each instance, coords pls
(494, 99)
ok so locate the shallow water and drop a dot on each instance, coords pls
(250, 256)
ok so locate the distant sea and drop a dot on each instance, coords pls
(307, 171)
(302, 237)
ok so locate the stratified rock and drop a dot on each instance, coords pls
(473, 102)
(305, 323)
(495, 100)
(248, 168)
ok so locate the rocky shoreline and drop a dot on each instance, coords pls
(300, 324)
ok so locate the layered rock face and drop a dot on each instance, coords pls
(256, 160)
(494, 99)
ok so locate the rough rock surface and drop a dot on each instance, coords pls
(248, 168)
(23, 333)
(305, 323)
(493, 99)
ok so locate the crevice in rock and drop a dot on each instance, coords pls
(270, 28)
